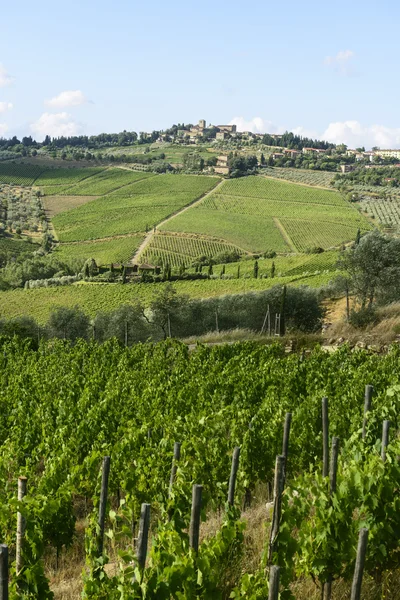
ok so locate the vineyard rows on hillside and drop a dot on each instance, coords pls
(66, 407)
(250, 212)
(180, 250)
(136, 207)
(19, 174)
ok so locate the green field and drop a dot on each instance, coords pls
(93, 298)
(131, 209)
(251, 213)
(104, 251)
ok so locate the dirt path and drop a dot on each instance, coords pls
(285, 234)
(150, 234)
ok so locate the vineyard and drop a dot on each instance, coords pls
(178, 250)
(104, 182)
(133, 208)
(304, 176)
(188, 437)
(18, 173)
(104, 252)
(252, 213)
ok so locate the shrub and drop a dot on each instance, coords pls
(363, 317)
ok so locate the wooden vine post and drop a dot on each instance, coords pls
(3, 572)
(21, 525)
(144, 526)
(274, 575)
(285, 443)
(276, 516)
(327, 586)
(325, 438)
(385, 439)
(233, 477)
(103, 503)
(369, 390)
(174, 468)
(360, 561)
(194, 529)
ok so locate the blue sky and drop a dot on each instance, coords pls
(322, 69)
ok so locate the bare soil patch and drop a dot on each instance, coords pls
(58, 204)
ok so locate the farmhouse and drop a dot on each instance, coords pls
(222, 165)
(314, 151)
(387, 153)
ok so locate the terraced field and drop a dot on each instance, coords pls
(259, 214)
(133, 208)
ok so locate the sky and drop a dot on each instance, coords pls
(326, 70)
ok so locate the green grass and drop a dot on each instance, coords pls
(104, 182)
(94, 298)
(104, 252)
(132, 208)
(247, 212)
(173, 153)
(20, 174)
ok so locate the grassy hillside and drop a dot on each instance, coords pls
(260, 214)
(103, 251)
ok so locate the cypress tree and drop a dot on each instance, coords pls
(273, 270)
(210, 270)
(282, 328)
(123, 274)
(358, 238)
(255, 269)
(223, 270)
(238, 272)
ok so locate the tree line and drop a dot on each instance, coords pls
(173, 315)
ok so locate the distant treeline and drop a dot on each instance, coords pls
(295, 142)
(173, 315)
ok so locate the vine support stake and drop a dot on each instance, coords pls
(274, 575)
(175, 460)
(285, 443)
(385, 439)
(327, 586)
(325, 437)
(359, 568)
(3, 572)
(194, 530)
(334, 465)
(21, 524)
(369, 390)
(103, 503)
(276, 517)
(144, 526)
(232, 479)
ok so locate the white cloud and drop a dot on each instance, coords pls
(5, 106)
(341, 62)
(354, 134)
(255, 125)
(68, 98)
(5, 78)
(3, 129)
(55, 125)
